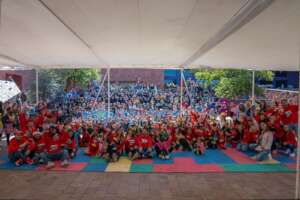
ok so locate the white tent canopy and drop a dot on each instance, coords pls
(243, 34)
(150, 33)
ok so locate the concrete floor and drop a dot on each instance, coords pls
(89, 186)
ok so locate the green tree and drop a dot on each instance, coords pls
(233, 83)
(53, 81)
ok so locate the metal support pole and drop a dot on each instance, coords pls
(297, 195)
(108, 93)
(181, 90)
(37, 85)
(187, 89)
(100, 89)
(253, 87)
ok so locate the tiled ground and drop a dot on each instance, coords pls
(229, 160)
(17, 185)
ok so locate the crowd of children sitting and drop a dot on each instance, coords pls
(48, 137)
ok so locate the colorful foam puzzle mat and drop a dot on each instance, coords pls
(228, 160)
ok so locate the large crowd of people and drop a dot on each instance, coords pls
(145, 121)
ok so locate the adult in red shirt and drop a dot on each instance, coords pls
(18, 149)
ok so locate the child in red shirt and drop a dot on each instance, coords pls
(55, 148)
(290, 141)
(199, 147)
(93, 147)
(145, 144)
(131, 146)
(40, 154)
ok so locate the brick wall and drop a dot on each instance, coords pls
(150, 76)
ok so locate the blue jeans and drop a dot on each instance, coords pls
(63, 155)
(40, 156)
(263, 155)
(242, 147)
(13, 157)
(291, 148)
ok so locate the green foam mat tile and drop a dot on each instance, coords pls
(98, 160)
(141, 168)
(255, 168)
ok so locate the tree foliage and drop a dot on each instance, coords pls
(53, 81)
(233, 83)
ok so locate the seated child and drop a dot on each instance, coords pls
(182, 143)
(221, 140)
(249, 137)
(213, 136)
(145, 144)
(71, 145)
(163, 145)
(93, 147)
(264, 144)
(84, 136)
(290, 141)
(55, 148)
(112, 151)
(131, 146)
(199, 146)
(40, 154)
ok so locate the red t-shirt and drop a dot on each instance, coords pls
(54, 145)
(144, 141)
(14, 145)
(40, 144)
(290, 138)
(130, 142)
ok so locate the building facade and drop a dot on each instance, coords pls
(23, 78)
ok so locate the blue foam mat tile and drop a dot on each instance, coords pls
(249, 153)
(284, 159)
(10, 165)
(213, 157)
(182, 154)
(95, 167)
(161, 161)
(81, 158)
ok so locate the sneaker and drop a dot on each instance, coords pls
(287, 152)
(64, 163)
(292, 155)
(18, 162)
(253, 157)
(29, 161)
(50, 165)
(270, 157)
(167, 157)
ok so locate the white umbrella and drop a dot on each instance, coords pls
(8, 89)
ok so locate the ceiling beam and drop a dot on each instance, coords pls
(245, 14)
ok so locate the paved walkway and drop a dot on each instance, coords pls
(171, 186)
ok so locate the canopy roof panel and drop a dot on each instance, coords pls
(146, 34)
(269, 41)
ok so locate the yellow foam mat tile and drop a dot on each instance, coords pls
(123, 165)
(270, 161)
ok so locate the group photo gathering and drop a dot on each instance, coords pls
(149, 99)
